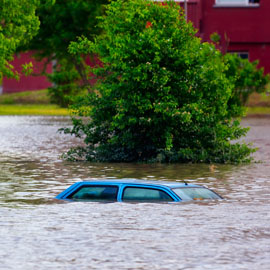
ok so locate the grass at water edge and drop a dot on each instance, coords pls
(258, 111)
(50, 109)
(32, 109)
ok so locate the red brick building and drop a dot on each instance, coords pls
(26, 83)
(243, 27)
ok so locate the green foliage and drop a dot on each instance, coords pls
(62, 21)
(247, 77)
(18, 24)
(27, 68)
(162, 95)
(66, 84)
(215, 37)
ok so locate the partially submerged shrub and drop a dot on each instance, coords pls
(163, 95)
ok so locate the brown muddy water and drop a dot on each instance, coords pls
(38, 232)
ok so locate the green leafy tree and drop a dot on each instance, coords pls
(62, 21)
(18, 24)
(247, 77)
(162, 94)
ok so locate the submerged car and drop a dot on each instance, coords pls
(135, 191)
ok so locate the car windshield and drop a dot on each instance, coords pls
(195, 193)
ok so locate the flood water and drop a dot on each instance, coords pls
(38, 232)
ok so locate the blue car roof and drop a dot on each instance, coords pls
(140, 182)
(124, 182)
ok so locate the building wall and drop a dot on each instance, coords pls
(194, 12)
(26, 83)
(241, 23)
(241, 28)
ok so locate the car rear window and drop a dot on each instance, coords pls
(195, 193)
(95, 193)
(145, 194)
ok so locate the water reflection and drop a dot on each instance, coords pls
(43, 233)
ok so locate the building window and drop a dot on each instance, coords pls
(243, 55)
(237, 2)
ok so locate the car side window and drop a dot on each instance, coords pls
(95, 193)
(145, 194)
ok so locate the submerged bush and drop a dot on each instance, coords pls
(162, 94)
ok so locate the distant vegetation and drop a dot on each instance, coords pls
(18, 25)
(61, 22)
(247, 79)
